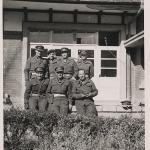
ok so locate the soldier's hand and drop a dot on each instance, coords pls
(73, 78)
(83, 95)
(26, 106)
(70, 107)
(88, 95)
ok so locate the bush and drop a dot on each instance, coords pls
(43, 131)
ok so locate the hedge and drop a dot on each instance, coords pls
(27, 130)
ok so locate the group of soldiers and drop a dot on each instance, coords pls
(57, 83)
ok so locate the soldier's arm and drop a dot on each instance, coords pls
(76, 95)
(49, 94)
(75, 69)
(27, 94)
(94, 90)
(27, 69)
(91, 71)
(69, 93)
(46, 69)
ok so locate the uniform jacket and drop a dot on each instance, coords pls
(52, 65)
(85, 87)
(60, 87)
(33, 63)
(36, 87)
(70, 67)
(87, 66)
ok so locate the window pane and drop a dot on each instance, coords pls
(86, 38)
(85, 18)
(59, 17)
(108, 38)
(43, 54)
(90, 53)
(108, 54)
(34, 16)
(59, 37)
(39, 37)
(108, 63)
(108, 72)
(111, 19)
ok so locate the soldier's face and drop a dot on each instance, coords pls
(83, 57)
(60, 75)
(64, 55)
(38, 53)
(81, 75)
(51, 56)
(40, 75)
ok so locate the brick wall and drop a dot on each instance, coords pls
(12, 56)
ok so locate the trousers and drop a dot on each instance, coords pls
(38, 103)
(86, 107)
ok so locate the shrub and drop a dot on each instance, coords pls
(43, 131)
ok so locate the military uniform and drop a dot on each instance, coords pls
(33, 63)
(52, 64)
(85, 104)
(86, 65)
(59, 92)
(35, 94)
(70, 66)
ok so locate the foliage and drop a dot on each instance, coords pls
(43, 131)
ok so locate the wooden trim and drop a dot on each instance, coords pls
(79, 23)
(32, 26)
(123, 18)
(25, 14)
(50, 15)
(75, 16)
(104, 2)
(99, 16)
(70, 12)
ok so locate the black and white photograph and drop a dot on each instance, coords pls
(74, 75)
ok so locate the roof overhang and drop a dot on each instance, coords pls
(81, 5)
(135, 41)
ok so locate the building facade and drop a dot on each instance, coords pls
(112, 33)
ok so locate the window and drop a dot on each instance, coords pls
(40, 36)
(108, 38)
(108, 63)
(87, 18)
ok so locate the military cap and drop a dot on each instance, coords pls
(51, 51)
(83, 53)
(64, 49)
(39, 48)
(39, 69)
(59, 69)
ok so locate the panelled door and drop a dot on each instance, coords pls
(106, 66)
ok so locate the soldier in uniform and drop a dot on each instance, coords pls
(83, 92)
(33, 63)
(35, 93)
(52, 63)
(86, 65)
(70, 66)
(60, 89)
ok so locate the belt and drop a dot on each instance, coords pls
(59, 95)
(37, 94)
(34, 94)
